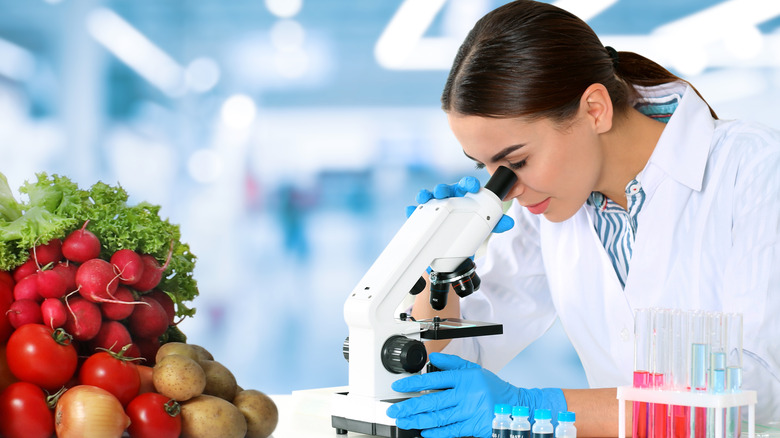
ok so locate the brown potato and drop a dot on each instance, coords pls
(177, 348)
(260, 412)
(220, 382)
(201, 352)
(206, 416)
(178, 377)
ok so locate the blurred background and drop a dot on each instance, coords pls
(286, 138)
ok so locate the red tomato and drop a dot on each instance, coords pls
(6, 377)
(153, 415)
(24, 412)
(6, 298)
(112, 372)
(40, 355)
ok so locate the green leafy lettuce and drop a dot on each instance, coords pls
(56, 206)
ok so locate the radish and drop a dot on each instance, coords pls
(166, 302)
(148, 321)
(122, 307)
(68, 272)
(51, 284)
(23, 312)
(51, 252)
(128, 264)
(96, 280)
(151, 275)
(81, 245)
(112, 336)
(83, 318)
(27, 268)
(147, 348)
(27, 289)
(54, 313)
(7, 278)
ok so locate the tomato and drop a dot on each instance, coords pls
(25, 412)
(147, 383)
(6, 298)
(40, 355)
(112, 372)
(153, 415)
(6, 377)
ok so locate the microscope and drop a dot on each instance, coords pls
(384, 346)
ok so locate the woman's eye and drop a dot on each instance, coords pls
(479, 166)
(518, 165)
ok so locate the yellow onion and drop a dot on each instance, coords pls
(86, 411)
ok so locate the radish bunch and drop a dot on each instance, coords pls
(102, 303)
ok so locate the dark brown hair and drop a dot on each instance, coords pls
(535, 60)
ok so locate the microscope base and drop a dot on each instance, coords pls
(356, 416)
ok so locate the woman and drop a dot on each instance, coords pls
(631, 194)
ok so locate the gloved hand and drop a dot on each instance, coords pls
(465, 407)
(467, 184)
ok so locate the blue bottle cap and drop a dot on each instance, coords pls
(519, 411)
(566, 416)
(502, 409)
(542, 414)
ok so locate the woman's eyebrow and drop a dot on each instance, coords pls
(499, 156)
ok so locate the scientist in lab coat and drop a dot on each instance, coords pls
(631, 194)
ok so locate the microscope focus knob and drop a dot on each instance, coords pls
(403, 355)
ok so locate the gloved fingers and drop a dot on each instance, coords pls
(469, 184)
(444, 361)
(441, 191)
(458, 429)
(504, 224)
(423, 196)
(435, 419)
(425, 403)
(411, 208)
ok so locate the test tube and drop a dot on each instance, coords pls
(733, 348)
(660, 376)
(681, 415)
(643, 328)
(717, 375)
(699, 364)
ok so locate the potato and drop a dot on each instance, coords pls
(179, 348)
(201, 352)
(206, 416)
(178, 377)
(220, 382)
(260, 412)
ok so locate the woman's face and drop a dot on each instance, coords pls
(557, 168)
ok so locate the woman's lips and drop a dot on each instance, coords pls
(540, 207)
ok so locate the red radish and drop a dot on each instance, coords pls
(68, 273)
(166, 302)
(128, 264)
(6, 298)
(122, 307)
(112, 336)
(151, 276)
(27, 268)
(27, 289)
(23, 312)
(81, 245)
(147, 348)
(148, 321)
(83, 318)
(51, 252)
(51, 284)
(7, 278)
(96, 280)
(54, 313)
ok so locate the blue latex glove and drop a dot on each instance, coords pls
(467, 184)
(465, 407)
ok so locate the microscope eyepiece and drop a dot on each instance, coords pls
(501, 181)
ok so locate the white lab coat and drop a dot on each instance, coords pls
(707, 239)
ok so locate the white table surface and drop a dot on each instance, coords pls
(306, 414)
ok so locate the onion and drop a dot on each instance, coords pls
(86, 411)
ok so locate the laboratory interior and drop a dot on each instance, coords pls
(286, 138)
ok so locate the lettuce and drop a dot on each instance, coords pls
(56, 206)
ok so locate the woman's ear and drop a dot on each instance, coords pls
(596, 105)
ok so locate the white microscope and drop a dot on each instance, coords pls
(384, 346)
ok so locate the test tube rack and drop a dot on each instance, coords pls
(679, 398)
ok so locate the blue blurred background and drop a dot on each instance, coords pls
(287, 136)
